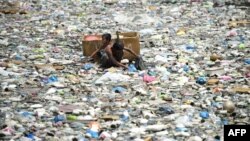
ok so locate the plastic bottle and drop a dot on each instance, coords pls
(131, 68)
(59, 118)
(125, 116)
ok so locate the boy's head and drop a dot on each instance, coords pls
(118, 46)
(106, 38)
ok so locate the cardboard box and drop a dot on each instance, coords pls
(130, 39)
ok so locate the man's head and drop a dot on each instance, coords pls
(106, 38)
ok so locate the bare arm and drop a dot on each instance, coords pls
(93, 54)
(113, 60)
(131, 51)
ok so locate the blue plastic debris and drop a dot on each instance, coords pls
(93, 134)
(186, 68)
(201, 80)
(151, 73)
(118, 89)
(247, 61)
(27, 115)
(181, 129)
(131, 68)
(242, 39)
(59, 118)
(87, 66)
(30, 136)
(50, 79)
(18, 57)
(204, 114)
(224, 122)
(190, 47)
(125, 116)
(166, 110)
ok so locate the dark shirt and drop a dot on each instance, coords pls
(106, 61)
(118, 54)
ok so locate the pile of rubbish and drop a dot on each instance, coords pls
(197, 78)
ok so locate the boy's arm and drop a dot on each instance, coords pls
(131, 51)
(93, 54)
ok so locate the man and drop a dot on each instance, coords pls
(111, 54)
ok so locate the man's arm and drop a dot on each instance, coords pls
(131, 51)
(113, 60)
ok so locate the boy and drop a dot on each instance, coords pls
(110, 53)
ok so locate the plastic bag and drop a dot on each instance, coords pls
(139, 64)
